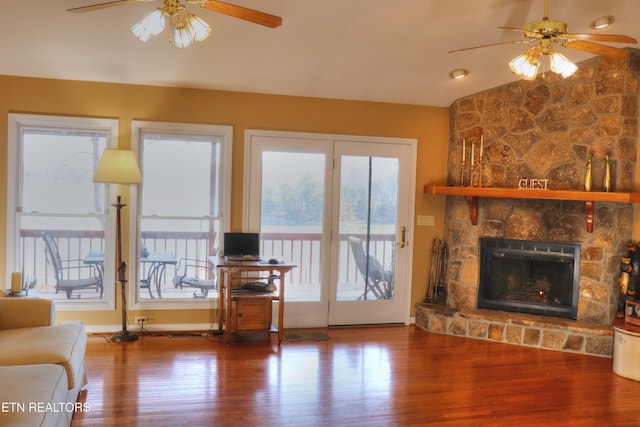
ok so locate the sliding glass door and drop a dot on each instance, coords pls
(339, 209)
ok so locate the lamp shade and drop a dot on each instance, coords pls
(117, 167)
(526, 64)
(561, 65)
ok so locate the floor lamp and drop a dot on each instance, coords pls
(119, 167)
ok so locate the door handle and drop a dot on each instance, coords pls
(403, 237)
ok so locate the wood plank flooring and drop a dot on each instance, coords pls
(369, 376)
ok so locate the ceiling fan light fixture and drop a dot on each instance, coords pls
(151, 24)
(140, 32)
(561, 65)
(602, 22)
(182, 37)
(187, 27)
(154, 22)
(201, 29)
(184, 32)
(526, 65)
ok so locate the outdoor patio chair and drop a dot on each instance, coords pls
(379, 281)
(192, 273)
(65, 269)
(145, 284)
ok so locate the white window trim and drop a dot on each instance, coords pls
(137, 127)
(14, 162)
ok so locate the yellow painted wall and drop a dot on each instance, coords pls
(429, 125)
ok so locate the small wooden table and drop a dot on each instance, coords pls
(230, 299)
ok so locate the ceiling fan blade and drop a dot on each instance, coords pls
(244, 13)
(491, 44)
(609, 38)
(103, 5)
(595, 48)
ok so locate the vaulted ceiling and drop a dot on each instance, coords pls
(375, 50)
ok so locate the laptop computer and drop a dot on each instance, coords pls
(242, 246)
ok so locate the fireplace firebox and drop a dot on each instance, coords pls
(529, 277)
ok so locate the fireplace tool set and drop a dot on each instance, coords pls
(436, 289)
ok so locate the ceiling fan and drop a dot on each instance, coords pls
(187, 28)
(544, 34)
(240, 12)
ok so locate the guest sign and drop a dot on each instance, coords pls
(533, 183)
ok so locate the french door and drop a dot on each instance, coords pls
(340, 208)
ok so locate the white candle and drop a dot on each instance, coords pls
(464, 148)
(481, 145)
(16, 282)
(473, 148)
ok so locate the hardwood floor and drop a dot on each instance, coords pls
(370, 376)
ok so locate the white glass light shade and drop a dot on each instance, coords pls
(526, 64)
(182, 37)
(561, 65)
(201, 29)
(117, 167)
(517, 63)
(140, 31)
(154, 22)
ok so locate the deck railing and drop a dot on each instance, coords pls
(303, 249)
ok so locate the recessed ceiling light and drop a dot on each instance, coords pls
(602, 22)
(458, 73)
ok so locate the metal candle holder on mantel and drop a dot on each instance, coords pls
(462, 165)
(472, 163)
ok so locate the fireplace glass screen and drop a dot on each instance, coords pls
(529, 277)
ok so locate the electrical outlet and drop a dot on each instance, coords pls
(141, 319)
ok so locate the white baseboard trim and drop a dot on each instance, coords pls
(177, 327)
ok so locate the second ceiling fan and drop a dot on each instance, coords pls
(547, 33)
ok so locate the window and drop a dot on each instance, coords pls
(182, 212)
(51, 192)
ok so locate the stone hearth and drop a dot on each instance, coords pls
(545, 130)
(516, 328)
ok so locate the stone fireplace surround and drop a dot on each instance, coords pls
(545, 130)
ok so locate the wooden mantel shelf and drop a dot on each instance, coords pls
(588, 197)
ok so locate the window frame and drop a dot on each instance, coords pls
(138, 127)
(14, 192)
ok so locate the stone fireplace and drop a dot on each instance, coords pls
(545, 129)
